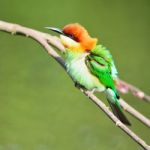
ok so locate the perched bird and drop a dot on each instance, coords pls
(91, 66)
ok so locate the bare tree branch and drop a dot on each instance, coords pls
(45, 39)
(125, 87)
(135, 113)
(118, 123)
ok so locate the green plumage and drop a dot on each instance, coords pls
(96, 70)
(103, 54)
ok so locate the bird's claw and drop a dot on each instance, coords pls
(90, 92)
(118, 123)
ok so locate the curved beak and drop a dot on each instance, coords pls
(55, 30)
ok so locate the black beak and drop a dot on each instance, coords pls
(59, 31)
(55, 30)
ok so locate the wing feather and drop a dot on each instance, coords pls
(101, 64)
(101, 51)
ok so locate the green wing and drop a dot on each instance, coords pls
(103, 52)
(101, 64)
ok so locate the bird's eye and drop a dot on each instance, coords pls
(72, 37)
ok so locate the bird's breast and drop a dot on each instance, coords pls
(80, 73)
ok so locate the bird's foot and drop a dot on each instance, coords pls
(77, 85)
(118, 123)
(90, 92)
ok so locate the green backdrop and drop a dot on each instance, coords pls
(39, 107)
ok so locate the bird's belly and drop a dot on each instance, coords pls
(81, 75)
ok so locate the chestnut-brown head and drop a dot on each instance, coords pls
(76, 38)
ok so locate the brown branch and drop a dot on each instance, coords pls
(45, 39)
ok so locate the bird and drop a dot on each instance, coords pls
(90, 65)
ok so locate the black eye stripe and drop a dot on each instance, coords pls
(72, 37)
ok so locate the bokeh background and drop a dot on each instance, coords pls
(39, 107)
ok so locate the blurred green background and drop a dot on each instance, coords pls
(39, 107)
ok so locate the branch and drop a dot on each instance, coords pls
(135, 113)
(45, 39)
(125, 87)
(118, 123)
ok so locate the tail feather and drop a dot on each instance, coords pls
(113, 100)
(119, 114)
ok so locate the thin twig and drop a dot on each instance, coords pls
(134, 113)
(44, 39)
(118, 123)
(125, 87)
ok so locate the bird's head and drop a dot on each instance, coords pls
(75, 37)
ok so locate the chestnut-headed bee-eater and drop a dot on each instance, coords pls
(90, 65)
